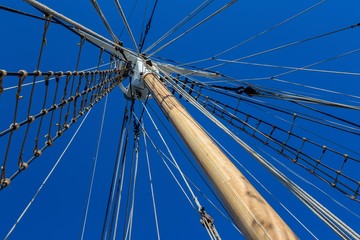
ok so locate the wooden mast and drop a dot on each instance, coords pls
(252, 214)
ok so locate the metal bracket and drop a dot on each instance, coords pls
(3, 73)
(136, 88)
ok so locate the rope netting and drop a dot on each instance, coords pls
(333, 164)
(41, 116)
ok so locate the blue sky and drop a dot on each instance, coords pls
(59, 209)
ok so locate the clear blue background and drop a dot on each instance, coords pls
(59, 209)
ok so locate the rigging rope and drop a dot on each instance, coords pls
(43, 44)
(151, 182)
(252, 101)
(4, 181)
(190, 162)
(106, 23)
(24, 13)
(172, 157)
(271, 28)
(107, 81)
(135, 160)
(47, 177)
(304, 68)
(193, 27)
(198, 172)
(236, 95)
(315, 88)
(148, 25)
(206, 220)
(118, 5)
(202, 6)
(117, 181)
(353, 26)
(257, 35)
(293, 69)
(94, 169)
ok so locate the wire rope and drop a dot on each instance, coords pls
(47, 177)
(271, 28)
(193, 27)
(198, 173)
(148, 25)
(211, 230)
(118, 6)
(103, 18)
(24, 13)
(181, 23)
(315, 88)
(187, 157)
(132, 206)
(94, 169)
(353, 26)
(290, 68)
(257, 35)
(173, 158)
(119, 163)
(151, 182)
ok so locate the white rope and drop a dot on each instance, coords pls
(151, 184)
(118, 5)
(315, 88)
(259, 34)
(193, 27)
(196, 187)
(192, 183)
(285, 95)
(169, 151)
(131, 216)
(106, 23)
(121, 187)
(290, 68)
(319, 62)
(122, 141)
(175, 162)
(271, 28)
(94, 168)
(210, 229)
(285, 46)
(215, 207)
(180, 24)
(47, 177)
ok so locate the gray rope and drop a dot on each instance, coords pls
(193, 27)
